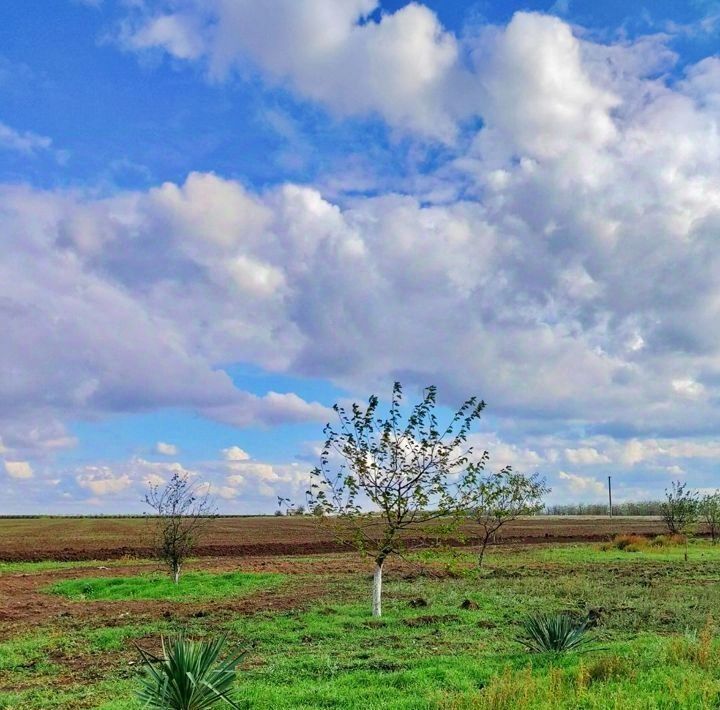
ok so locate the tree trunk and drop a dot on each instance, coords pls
(481, 554)
(176, 573)
(377, 588)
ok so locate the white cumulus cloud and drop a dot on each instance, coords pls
(102, 481)
(235, 453)
(582, 486)
(166, 449)
(25, 142)
(18, 469)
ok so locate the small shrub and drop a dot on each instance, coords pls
(188, 676)
(554, 632)
(630, 543)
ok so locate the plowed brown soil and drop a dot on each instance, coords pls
(68, 539)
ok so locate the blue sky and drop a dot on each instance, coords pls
(219, 218)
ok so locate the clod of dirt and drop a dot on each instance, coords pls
(418, 603)
(594, 616)
(470, 605)
(374, 623)
(486, 624)
(167, 614)
(199, 614)
(499, 573)
(429, 620)
(384, 666)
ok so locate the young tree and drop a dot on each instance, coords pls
(680, 508)
(182, 513)
(381, 476)
(710, 512)
(495, 499)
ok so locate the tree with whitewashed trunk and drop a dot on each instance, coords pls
(383, 478)
(180, 513)
(495, 499)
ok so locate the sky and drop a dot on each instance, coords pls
(220, 217)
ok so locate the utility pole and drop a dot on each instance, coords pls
(610, 495)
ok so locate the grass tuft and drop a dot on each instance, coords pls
(696, 648)
(674, 540)
(609, 667)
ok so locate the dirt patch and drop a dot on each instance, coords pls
(24, 603)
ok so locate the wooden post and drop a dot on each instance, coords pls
(610, 495)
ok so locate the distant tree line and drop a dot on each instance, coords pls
(643, 507)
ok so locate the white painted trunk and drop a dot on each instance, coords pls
(377, 590)
(176, 574)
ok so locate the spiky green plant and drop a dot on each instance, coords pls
(554, 632)
(188, 675)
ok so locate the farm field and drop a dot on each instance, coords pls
(447, 639)
(36, 539)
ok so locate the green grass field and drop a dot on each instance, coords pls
(196, 586)
(655, 645)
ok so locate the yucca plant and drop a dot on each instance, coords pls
(188, 676)
(554, 632)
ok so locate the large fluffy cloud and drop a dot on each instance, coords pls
(580, 263)
(574, 314)
(568, 274)
(399, 65)
(92, 306)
